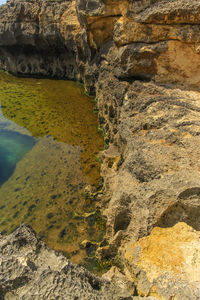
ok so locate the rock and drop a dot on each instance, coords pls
(141, 60)
(157, 179)
(40, 38)
(85, 244)
(88, 244)
(30, 270)
(156, 40)
(149, 39)
(120, 279)
(149, 111)
(166, 264)
(170, 12)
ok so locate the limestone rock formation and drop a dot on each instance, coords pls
(156, 40)
(40, 38)
(29, 270)
(166, 263)
(157, 178)
(142, 61)
(147, 89)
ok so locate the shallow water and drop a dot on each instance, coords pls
(13, 146)
(48, 147)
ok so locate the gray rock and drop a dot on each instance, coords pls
(40, 38)
(30, 270)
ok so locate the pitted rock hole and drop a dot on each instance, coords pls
(122, 220)
(186, 209)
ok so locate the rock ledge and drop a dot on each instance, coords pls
(30, 270)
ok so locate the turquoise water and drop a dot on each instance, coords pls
(13, 146)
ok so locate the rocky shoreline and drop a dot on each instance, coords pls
(30, 270)
(141, 60)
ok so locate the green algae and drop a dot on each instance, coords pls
(47, 186)
(49, 107)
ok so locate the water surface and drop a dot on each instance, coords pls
(48, 147)
(13, 146)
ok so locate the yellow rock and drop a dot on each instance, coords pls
(166, 263)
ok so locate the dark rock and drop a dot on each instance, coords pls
(41, 40)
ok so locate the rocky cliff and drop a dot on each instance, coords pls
(40, 38)
(142, 61)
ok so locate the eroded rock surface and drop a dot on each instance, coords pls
(150, 39)
(29, 270)
(142, 61)
(40, 38)
(148, 98)
(157, 181)
(166, 263)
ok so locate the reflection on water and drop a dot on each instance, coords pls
(48, 147)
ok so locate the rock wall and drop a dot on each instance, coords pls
(142, 61)
(41, 38)
(151, 40)
(146, 73)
